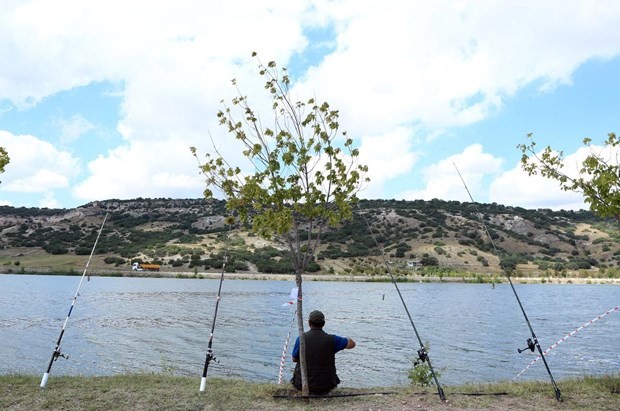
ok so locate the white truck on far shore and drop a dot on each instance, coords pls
(145, 267)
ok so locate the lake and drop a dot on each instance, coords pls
(129, 325)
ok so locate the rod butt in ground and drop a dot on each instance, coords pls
(44, 379)
(203, 384)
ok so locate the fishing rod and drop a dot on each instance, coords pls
(422, 352)
(56, 353)
(294, 296)
(566, 337)
(286, 342)
(532, 343)
(210, 356)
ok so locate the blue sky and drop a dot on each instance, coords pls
(103, 99)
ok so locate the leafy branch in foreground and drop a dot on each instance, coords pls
(4, 159)
(598, 178)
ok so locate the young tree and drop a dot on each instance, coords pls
(598, 178)
(305, 174)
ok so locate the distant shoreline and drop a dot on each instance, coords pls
(329, 277)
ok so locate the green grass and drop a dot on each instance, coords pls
(136, 392)
(166, 392)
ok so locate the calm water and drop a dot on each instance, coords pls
(122, 325)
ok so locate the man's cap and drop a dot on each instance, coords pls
(316, 317)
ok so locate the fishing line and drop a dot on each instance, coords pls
(294, 297)
(422, 353)
(210, 356)
(532, 343)
(284, 350)
(56, 353)
(566, 337)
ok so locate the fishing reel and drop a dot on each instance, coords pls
(422, 356)
(211, 357)
(58, 354)
(530, 346)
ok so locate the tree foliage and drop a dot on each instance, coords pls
(598, 178)
(302, 181)
(305, 174)
(4, 159)
(299, 169)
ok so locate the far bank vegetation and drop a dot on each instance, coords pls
(441, 239)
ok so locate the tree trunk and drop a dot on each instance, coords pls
(305, 390)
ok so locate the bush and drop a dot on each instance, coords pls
(82, 251)
(56, 250)
(114, 260)
(420, 373)
(240, 266)
(429, 261)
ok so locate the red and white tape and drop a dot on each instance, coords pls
(293, 296)
(567, 336)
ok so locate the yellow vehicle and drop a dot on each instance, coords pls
(145, 267)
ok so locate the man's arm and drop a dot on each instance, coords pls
(295, 353)
(340, 343)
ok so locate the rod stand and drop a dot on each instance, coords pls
(531, 345)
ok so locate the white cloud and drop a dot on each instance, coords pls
(442, 181)
(387, 156)
(448, 64)
(36, 166)
(175, 60)
(58, 46)
(73, 128)
(515, 187)
(143, 169)
(40, 181)
(49, 201)
(396, 68)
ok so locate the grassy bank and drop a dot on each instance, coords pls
(37, 261)
(165, 392)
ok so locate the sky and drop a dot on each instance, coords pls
(102, 99)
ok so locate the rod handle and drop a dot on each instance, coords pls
(44, 379)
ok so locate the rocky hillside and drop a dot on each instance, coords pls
(190, 235)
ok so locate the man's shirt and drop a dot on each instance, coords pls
(340, 343)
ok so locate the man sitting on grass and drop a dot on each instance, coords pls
(321, 349)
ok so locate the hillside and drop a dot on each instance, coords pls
(424, 237)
